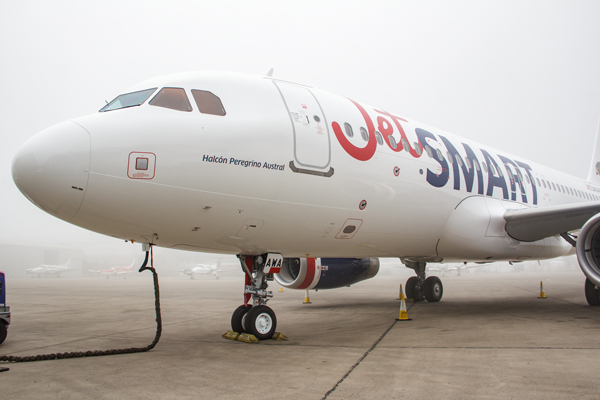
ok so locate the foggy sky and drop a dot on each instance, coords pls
(521, 76)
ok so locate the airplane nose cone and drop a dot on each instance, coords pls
(51, 169)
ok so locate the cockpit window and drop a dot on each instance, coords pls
(173, 98)
(128, 100)
(208, 103)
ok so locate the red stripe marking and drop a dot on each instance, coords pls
(310, 273)
(248, 282)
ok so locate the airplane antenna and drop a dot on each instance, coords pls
(270, 73)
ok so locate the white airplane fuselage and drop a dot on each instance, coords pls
(279, 173)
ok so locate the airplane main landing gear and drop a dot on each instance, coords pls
(257, 319)
(420, 287)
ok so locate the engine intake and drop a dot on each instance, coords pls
(325, 273)
(588, 249)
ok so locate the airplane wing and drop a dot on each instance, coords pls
(531, 224)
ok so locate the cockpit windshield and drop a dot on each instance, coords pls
(128, 100)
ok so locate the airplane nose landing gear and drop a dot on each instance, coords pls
(258, 319)
(238, 319)
(261, 322)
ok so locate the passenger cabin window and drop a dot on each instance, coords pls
(520, 175)
(417, 148)
(379, 138)
(126, 100)
(173, 98)
(208, 102)
(405, 144)
(348, 129)
(364, 134)
(428, 150)
(484, 165)
(439, 155)
(393, 142)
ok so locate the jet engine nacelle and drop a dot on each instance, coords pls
(588, 249)
(325, 273)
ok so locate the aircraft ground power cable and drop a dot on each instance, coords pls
(97, 353)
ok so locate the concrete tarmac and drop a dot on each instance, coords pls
(489, 337)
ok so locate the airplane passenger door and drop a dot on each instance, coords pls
(312, 146)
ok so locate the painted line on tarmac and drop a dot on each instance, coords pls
(363, 356)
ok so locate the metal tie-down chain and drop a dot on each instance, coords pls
(96, 353)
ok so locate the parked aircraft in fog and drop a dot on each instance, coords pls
(304, 186)
(50, 269)
(115, 271)
(203, 269)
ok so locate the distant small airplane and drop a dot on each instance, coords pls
(115, 271)
(203, 269)
(46, 269)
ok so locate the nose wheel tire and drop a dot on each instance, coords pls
(261, 322)
(592, 294)
(239, 317)
(433, 289)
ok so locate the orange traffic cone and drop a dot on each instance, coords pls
(306, 299)
(403, 313)
(542, 294)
